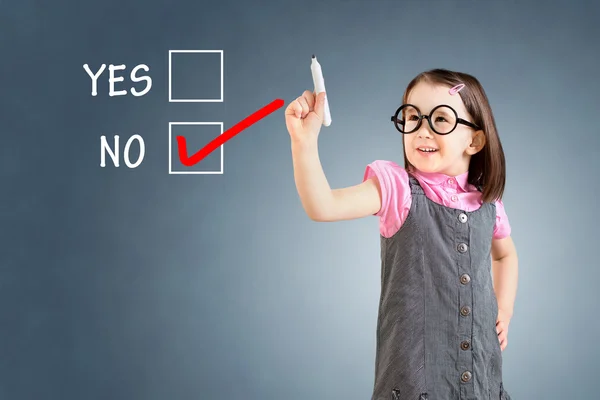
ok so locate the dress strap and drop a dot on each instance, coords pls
(415, 186)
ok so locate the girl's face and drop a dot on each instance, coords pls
(452, 152)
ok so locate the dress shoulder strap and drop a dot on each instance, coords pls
(415, 186)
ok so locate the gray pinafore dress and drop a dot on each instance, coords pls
(436, 328)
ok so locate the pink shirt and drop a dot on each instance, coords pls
(452, 192)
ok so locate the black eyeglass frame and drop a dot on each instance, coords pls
(396, 121)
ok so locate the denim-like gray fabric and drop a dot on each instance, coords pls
(436, 330)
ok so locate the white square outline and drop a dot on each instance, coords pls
(172, 100)
(171, 172)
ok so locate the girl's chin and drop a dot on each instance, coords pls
(427, 170)
(427, 166)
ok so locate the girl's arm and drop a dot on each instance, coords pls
(505, 271)
(320, 202)
(304, 117)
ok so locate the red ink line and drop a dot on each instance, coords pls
(225, 136)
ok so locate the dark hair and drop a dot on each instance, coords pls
(487, 169)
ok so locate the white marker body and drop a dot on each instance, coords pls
(319, 82)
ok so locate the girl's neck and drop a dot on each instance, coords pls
(439, 174)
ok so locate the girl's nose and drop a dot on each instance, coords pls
(424, 130)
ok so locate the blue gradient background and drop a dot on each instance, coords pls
(122, 283)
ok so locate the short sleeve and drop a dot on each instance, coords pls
(502, 228)
(395, 195)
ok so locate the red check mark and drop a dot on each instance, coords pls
(225, 136)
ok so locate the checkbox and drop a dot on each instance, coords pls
(197, 135)
(196, 76)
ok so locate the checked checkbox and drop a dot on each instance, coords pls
(197, 135)
(217, 142)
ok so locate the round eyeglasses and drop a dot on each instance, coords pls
(443, 119)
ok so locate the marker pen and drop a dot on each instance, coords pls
(319, 82)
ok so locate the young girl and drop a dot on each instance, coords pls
(443, 321)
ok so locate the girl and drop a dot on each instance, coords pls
(443, 321)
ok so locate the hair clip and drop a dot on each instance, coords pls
(456, 89)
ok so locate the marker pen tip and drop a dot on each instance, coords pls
(313, 56)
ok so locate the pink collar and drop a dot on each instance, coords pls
(435, 179)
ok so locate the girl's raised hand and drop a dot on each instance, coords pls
(304, 116)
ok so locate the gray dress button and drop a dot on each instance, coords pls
(465, 278)
(462, 248)
(463, 217)
(465, 345)
(465, 311)
(466, 376)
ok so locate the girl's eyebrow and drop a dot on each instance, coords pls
(440, 110)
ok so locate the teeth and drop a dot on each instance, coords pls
(427, 150)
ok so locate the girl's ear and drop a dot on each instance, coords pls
(477, 143)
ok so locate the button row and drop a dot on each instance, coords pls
(465, 310)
